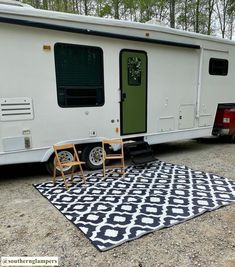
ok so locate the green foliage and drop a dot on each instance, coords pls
(202, 16)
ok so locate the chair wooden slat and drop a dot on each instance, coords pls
(114, 157)
(112, 141)
(68, 164)
(62, 147)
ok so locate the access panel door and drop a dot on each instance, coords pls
(133, 72)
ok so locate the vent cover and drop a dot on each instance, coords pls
(16, 109)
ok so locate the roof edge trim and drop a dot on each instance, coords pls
(43, 25)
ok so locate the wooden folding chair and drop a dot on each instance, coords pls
(60, 164)
(109, 156)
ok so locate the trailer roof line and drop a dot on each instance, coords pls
(43, 25)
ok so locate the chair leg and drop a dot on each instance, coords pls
(82, 174)
(72, 173)
(63, 176)
(103, 152)
(54, 174)
(104, 167)
(123, 166)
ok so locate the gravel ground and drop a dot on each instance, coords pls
(31, 226)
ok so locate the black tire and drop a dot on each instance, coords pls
(92, 154)
(225, 138)
(50, 163)
(232, 138)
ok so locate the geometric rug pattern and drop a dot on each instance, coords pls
(120, 208)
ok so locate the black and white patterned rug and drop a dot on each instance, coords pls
(119, 208)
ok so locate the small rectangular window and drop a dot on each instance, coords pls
(79, 75)
(218, 66)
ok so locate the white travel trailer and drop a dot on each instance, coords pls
(75, 79)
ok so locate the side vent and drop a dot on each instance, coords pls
(16, 109)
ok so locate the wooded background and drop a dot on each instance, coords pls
(212, 17)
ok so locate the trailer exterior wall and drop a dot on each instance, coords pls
(175, 89)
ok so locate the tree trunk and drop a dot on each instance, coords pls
(65, 5)
(222, 13)
(185, 15)
(172, 13)
(211, 4)
(116, 9)
(45, 4)
(37, 3)
(231, 27)
(197, 16)
(86, 7)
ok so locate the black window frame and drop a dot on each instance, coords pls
(218, 66)
(69, 91)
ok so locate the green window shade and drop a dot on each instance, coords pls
(79, 75)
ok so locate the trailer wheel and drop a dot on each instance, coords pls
(93, 156)
(65, 156)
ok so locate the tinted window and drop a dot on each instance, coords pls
(218, 66)
(79, 75)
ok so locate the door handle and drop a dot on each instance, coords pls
(123, 97)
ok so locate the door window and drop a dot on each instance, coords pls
(134, 71)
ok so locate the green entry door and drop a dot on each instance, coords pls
(133, 92)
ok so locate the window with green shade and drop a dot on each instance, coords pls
(79, 75)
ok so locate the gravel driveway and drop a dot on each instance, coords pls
(31, 226)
